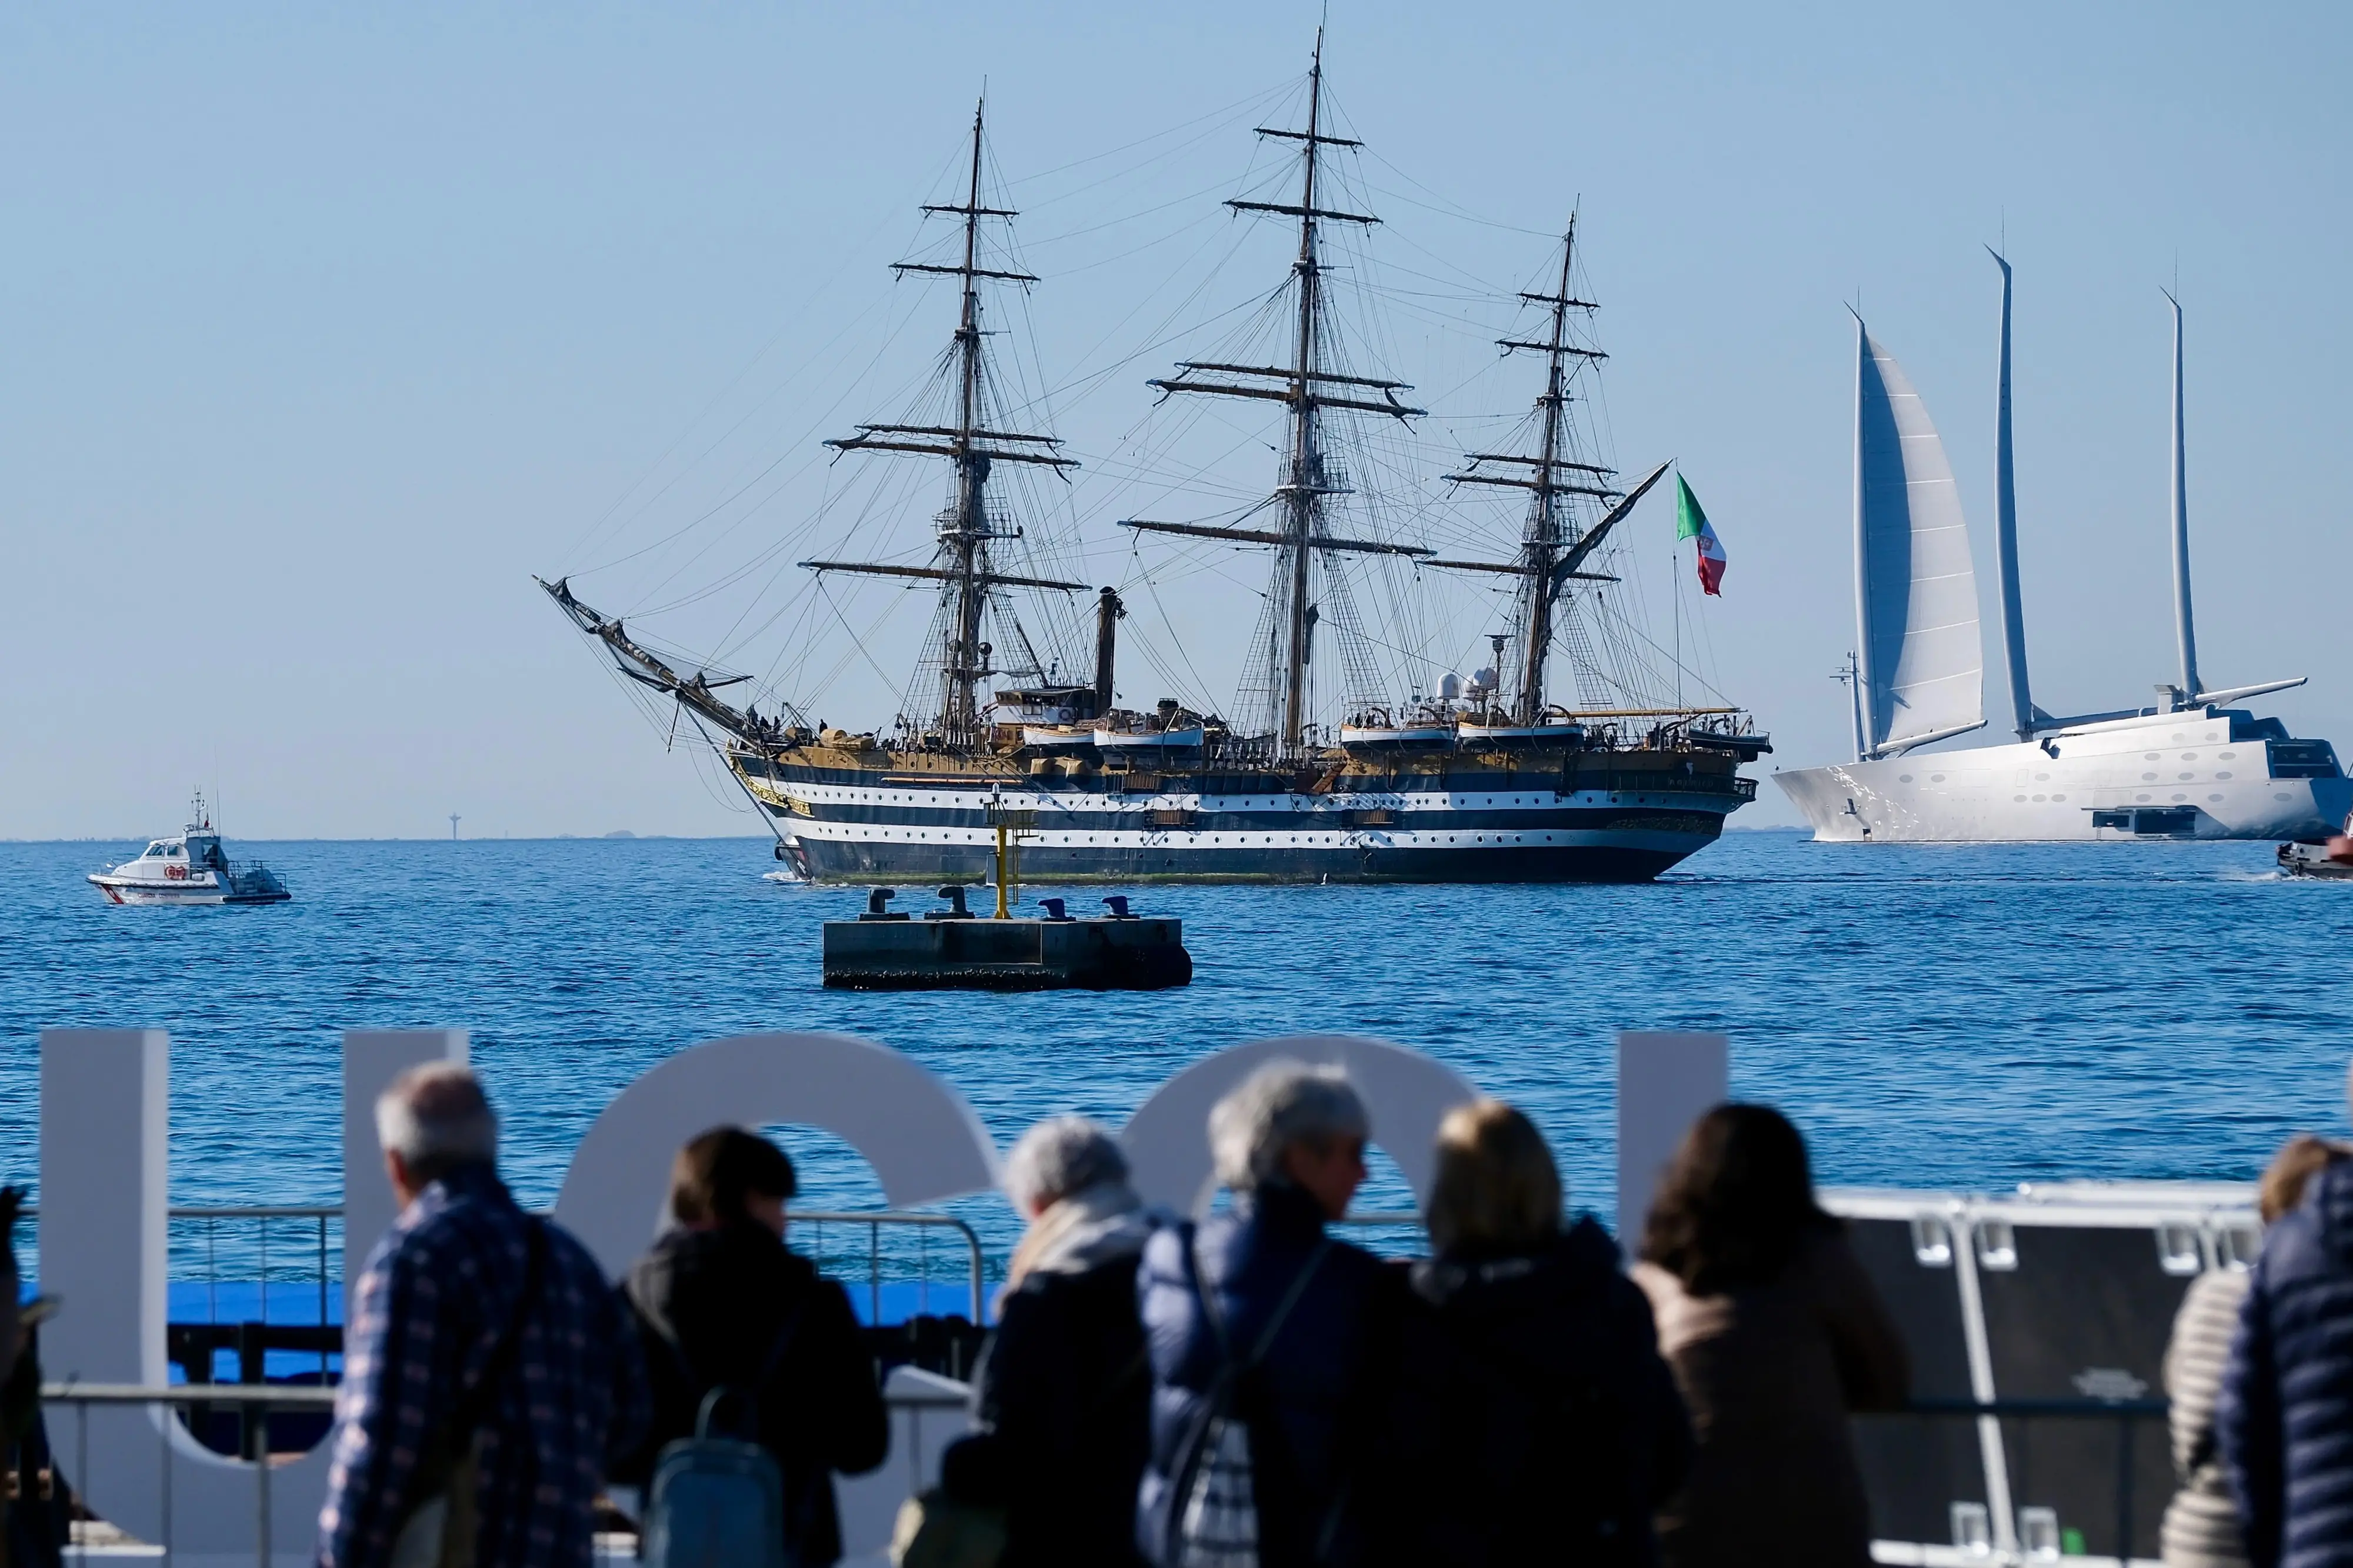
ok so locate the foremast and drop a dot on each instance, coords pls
(1307, 388)
(964, 529)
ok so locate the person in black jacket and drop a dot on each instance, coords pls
(1063, 1388)
(1290, 1144)
(2285, 1423)
(721, 1301)
(1534, 1414)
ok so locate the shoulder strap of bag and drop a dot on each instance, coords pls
(1218, 1399)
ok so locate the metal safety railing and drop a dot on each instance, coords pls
(262, 1401)
(321, 1254)
(257, 1401)
(923, 1225)
(2128, 1415)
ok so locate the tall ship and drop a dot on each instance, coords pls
(1343, 754)
(2194, 764)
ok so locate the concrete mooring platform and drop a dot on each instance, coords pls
(952, 949)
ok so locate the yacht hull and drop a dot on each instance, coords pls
(2163, 776)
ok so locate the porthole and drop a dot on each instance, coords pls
(1935, 778)
(2223, 774)
(1904, 778)
(2043, 778)
(2213, 797)
(2181, 797)
(2189, 756)
(2148, 756)
(2018, 797)
(2226, 756)
(2058, 797)
(2042, 797)
(2149, 778)
(2145, 797)
(2185, 778)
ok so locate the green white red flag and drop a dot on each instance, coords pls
(1691, 522)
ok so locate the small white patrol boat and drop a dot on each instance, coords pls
(190, 870)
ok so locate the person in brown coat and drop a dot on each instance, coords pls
(1774, 1334)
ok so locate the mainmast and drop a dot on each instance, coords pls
(1307, 388)
(964, 529)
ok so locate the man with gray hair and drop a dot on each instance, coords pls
(488, 1373)
(1261, 1325)
(1062, 1393)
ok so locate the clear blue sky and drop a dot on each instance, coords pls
(323, 327)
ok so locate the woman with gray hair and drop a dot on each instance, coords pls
(1262, 1328)
(1061, 1391)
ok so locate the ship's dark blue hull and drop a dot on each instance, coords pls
(1566, 817)
(825, 861)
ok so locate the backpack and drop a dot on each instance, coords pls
(718, 1501)
(1214, 1522)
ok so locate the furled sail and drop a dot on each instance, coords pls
(1922, 669)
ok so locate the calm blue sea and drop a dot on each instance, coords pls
(1954, 1016)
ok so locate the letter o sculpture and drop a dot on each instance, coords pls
(920, 1135)
(1167, 1139)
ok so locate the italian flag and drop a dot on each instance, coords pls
(1691, 522)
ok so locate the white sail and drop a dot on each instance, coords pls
(1923, 671)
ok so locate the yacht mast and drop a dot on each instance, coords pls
(2005, 532)
(2185, 635)
(964, 529)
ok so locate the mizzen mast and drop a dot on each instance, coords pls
(1552, 552)
(965, 528)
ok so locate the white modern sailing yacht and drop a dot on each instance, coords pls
(2192, 767)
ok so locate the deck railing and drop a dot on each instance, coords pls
(260, 1401)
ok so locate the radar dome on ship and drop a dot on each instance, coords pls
(1449, 686)
(1482, 680)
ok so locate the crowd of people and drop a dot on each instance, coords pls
(1247, 1390)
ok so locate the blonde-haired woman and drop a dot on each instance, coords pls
(1535, 1416)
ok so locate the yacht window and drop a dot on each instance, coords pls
(154, 849)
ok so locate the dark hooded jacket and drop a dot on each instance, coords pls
(1534, 1418)
(1314, 1403)
(711, 1306)
(2285, 1424)
(1065, 1391)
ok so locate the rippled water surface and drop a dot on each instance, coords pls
(1931, 1016)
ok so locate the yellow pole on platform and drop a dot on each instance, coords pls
(1003, 910)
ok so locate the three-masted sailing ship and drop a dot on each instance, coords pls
(1495, 779)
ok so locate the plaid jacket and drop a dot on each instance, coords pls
(439, 1291)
